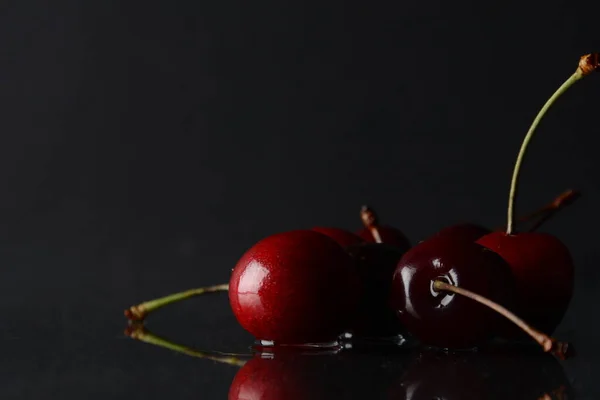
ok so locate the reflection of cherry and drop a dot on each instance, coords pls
(287, 376)
(341, 236)
(519, 373)
(439, 376)
(296, 288)
(489, 375)
(373, 232)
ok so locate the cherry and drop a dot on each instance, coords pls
(443, 319)
(341, 236)
(296, 287)
(544, 276)
(375, 233)
(431, 274)
(541, 264)
(376, 263)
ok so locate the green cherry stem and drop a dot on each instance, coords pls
(562, 350)
(140, 311)
(587, 64)
(138, 332)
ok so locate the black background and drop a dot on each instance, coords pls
(144, 146)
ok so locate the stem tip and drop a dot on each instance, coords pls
(135, 313)
(368, 216)
(589, 63)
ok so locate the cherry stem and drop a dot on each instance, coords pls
(371, 221)
(140, 311)
(587, 64)
(566, 199)
(138, 332)
(559, 349)
(546, 212)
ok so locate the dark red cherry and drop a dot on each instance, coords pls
(443, 319)
(544, 275)
(341, 236)
(295, 287)
(376, 263)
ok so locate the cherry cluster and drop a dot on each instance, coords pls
(457, 289)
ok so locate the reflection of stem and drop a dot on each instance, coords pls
(561, 350)
(557, 394)
(139, 332)
(140, 311)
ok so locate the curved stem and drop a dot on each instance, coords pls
(559, 349)
(139, 332)
(140, 311)
(515, 177)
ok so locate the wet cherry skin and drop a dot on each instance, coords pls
(376, 263)
(447, 320)
(343, 237)
(389, 235)
(295, 287)
(544, 275)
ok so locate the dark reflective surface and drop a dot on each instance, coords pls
(69, 342)
(384, 371)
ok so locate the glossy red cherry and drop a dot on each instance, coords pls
(295, 287)
(376, 263)
(443, 319)
(341, 236)
(373, 232)
(544, 275)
